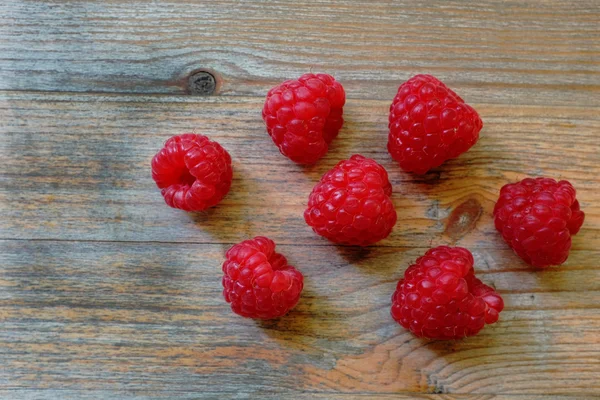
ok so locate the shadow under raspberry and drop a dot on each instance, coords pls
(376, 260)
(228, 222)
(314, 325)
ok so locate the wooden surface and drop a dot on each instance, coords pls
(105, 292)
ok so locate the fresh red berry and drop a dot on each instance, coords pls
(440, 297)
(193, 172)
(429, 124)
(351, 204)
(258, 282)
(537, 218)
(303, 116)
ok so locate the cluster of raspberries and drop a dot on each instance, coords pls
(439, 296)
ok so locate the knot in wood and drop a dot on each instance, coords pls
(202, 83)
(463, 219)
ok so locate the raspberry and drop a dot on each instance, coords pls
(429, 124)
(537, 218)
(258, 282)
(303, 116)
(440, 297)
(351, 204)
(193, 172)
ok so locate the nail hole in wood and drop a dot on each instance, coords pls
(202, 83)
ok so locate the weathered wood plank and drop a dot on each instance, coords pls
(490, 51)
(148, 316)
(105, 292)
(28, 394)
(77, 168)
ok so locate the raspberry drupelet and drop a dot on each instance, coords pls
(193, 172)
(537, 218)
(303, 116)
(351, 204)
(258, 282)
(440, 297)
(429, 124)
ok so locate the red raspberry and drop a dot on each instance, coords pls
(304, 116)
(440, 298)
(537, 218)
(193, 172)
(351, 204)
(429, 124)
(258, 282)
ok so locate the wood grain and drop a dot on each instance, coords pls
(139, 395)
(491, 51)
(77, 167)
(141, 316)
(105, 292)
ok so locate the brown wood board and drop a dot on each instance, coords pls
(105, 292)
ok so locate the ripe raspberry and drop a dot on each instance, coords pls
(258, 282)
(304, 116)
(440, 297)
(537, 218)
(429, 124)
(351, 204)
(193, 172)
